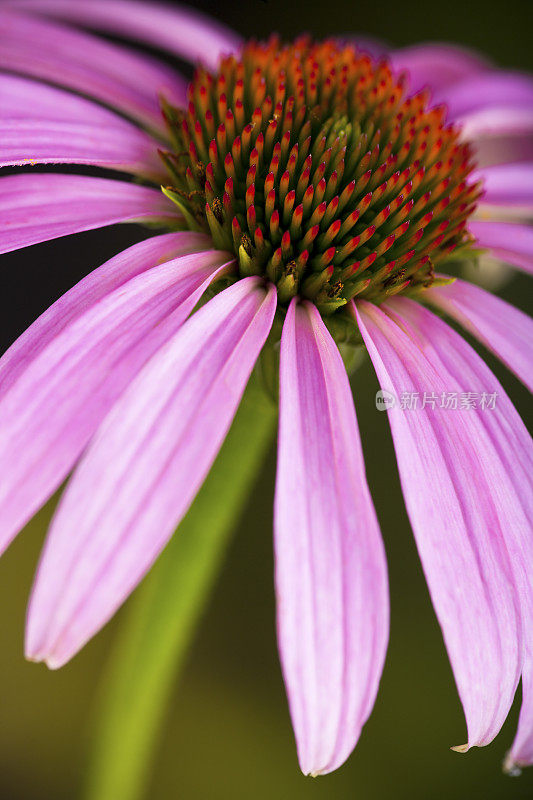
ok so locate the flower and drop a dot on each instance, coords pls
(317, 187)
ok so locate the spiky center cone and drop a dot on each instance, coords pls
(311, 164)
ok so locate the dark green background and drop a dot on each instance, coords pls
(228, 733)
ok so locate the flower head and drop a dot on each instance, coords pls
(314, 190)
(313, 164)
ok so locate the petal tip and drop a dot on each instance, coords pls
(40, 658)
(311, 772)
(510, 767)
(52, 661)
(461, 748)
(330, 765)
(40, 655)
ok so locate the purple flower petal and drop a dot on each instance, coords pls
(331, 580)
(99, 283)
(508, 185)
(496, 121)
(459, 363)
(466, 498)
(58, 401)
(44, 125)
(487, 89)
(37, 208)
(506, 444)
(125, 80)
(504, 149)
(438, 66)
(26, 98)
(24, 143)
(181, 30)
(507, 241)
(521, 753)
(143, 469)
(502, 328)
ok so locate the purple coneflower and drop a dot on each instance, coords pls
(318, 191)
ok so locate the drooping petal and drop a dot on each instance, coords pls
(486, 89)
(43, 124)
(502, 429)
(331, 582)
(143, 469)
(100, 282)
(438, 66)
(24, 143)
(508, 185)
(26, 98)
(37, 208)
(521, 753)
(125, 80)
(508, 452)
(464, 500)
(52, 410)
(181, 30)
(502, 328)
(508, 241)
(95, 136)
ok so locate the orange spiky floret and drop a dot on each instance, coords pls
(310, 162)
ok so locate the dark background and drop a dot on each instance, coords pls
(228, 733)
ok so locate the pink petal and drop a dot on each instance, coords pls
(486, 89)
(507, 433)
(331, 577)
(119, 146)
(504, 149)
(25, 98)
(121, 78)
(501, 327)
(70, 129)
(464, 499)
(40, 207)
(438, 66)
(143, 469)
(24, 143)
(181, 30)
(496, 121)
(521, 753)
(507, 241)
(52, 410)
(508, 446)
(102, 281)
(508, 185)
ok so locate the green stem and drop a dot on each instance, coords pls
(163, 614)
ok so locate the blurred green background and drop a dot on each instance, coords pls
(227, 731)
